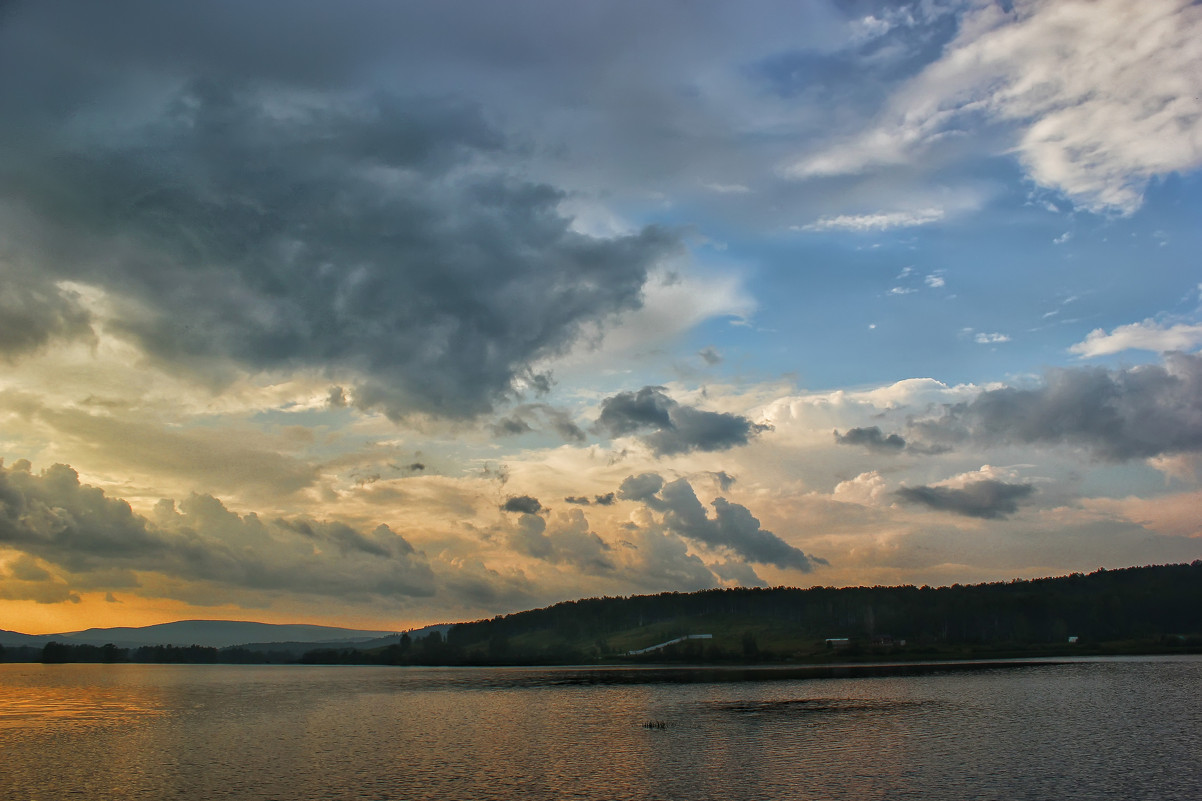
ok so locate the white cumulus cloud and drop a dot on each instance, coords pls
(1148, 335)
(1099, 96)
(990, 339)
(876, 222)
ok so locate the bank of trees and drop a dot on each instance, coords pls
(63, 653)
(1103, 605)
(1152, 605)
(1159, 604)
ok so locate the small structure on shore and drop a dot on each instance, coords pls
(670, 642)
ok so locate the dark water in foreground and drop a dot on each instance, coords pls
(1097, 729)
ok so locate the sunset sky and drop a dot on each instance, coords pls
(380, 314)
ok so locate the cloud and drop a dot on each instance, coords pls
(1133, 413)
(379, 239)
(988, 499)
(865, 489)
(102, 543)
(733, 528)
(511, 426)
(1096, 98)
(528, 536)
(629, 412)
(35, 312)
(641, 488)
(566, 539)
(1148, 335)
(522, 503)
(659, 559)
(871, 438)
(1175, 514)
(677, 428)
(336, 399)
(199, 456)
(26, 580)
(522, 420)
(54, 517)
(601, 500)
(882, 221)
(990, 339)
(723, 479)
(728, 189)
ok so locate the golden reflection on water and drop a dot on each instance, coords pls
(210, 732)
(35, 695)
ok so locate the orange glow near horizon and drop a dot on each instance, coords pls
(93, 611)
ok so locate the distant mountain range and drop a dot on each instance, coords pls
(211, 633)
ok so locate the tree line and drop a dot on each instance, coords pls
(1105, 605)
(56, 653)
(1159, 605)
(1155, 603)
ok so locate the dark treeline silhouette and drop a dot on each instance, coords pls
(61, 653)
(1152, 607)
(57, 653)
(1138, 609)
(1104, 605)
(432, 649)
(20, 653)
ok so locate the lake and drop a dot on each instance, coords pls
(1121, 728)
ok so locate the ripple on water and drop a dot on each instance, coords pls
(1105, 729)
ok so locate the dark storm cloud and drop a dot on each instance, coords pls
(511, 426)
(601, 500)
(733, 528)
(34, 312)
(54, 517)
(25, 580)
(641, 488)
(696, 430)
(1116, 415)
(563, 425)
(310, 43)
(725, 480)
(676, 428)
(614, 96)
(988, 499)
(375, 238)
(336, 399)
(565, 540)
(628, 412)
(531, 417)
(99, 540)
(522, 503)
(381, 542)
(871, 438)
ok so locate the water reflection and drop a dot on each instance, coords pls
(32, 695)
(1086, 730)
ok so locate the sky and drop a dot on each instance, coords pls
(381, 314)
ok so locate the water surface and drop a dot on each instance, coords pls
(1090, 729)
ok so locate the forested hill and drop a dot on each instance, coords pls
(1133, 610)
(1138, 603)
